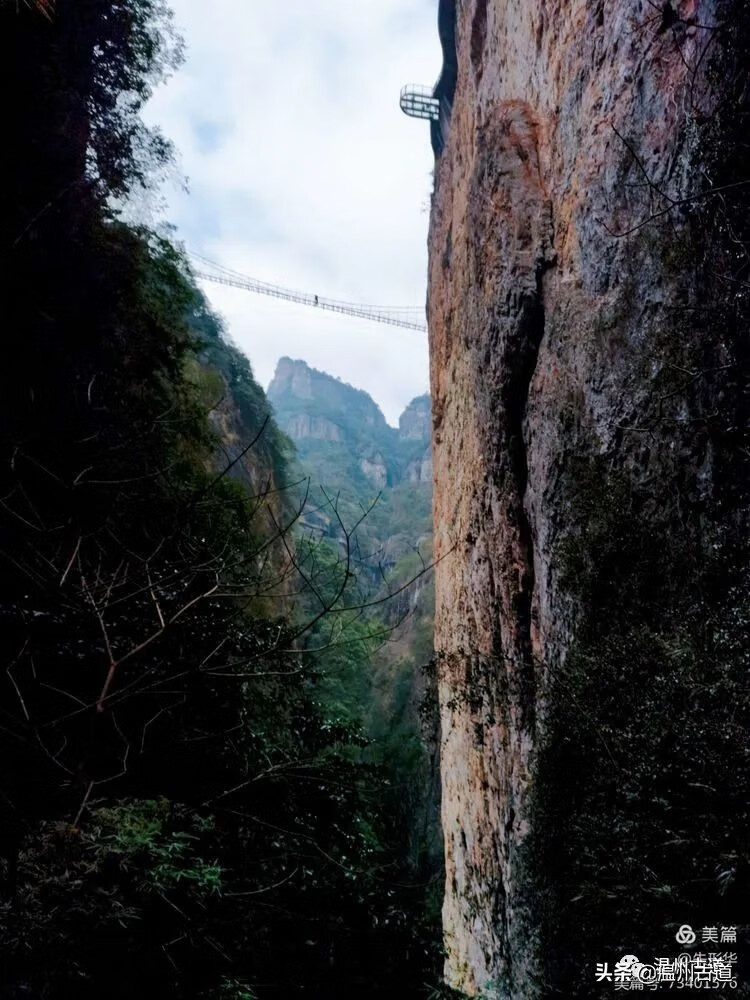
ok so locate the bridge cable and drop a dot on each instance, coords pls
(402, 316)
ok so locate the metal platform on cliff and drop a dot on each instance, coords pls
(417, 101)
(408, 317)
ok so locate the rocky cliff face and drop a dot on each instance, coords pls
(574, 322)
(414, 424)
(313, 406)
(305, 425)
(297, 390)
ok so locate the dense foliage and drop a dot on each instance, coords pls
(378, 673)
(186, 811)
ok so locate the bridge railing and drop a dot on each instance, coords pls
(417, 101)
(391, 317)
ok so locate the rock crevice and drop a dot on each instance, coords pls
(547, 330)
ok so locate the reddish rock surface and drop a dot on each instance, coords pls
(545, 330)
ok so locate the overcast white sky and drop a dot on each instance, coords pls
(303, 172)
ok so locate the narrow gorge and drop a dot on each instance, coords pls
(588, 316)
(302, 697)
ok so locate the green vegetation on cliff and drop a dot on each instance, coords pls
(368, 488)
(185, 809)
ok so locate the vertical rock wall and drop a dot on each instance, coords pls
(572, 124)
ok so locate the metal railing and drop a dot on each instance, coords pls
(405, 316)
(417, 102)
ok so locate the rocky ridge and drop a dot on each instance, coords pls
(313, 407)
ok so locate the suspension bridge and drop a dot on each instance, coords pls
(408, 317)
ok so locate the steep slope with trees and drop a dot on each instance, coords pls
(183, 813)
(378, 478)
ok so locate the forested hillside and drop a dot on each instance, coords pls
(186, 810)
(345, 448)
(355, 470)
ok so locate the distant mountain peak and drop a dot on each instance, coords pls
(318, 410)
(296, 380)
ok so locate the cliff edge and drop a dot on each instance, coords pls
(588, 244)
